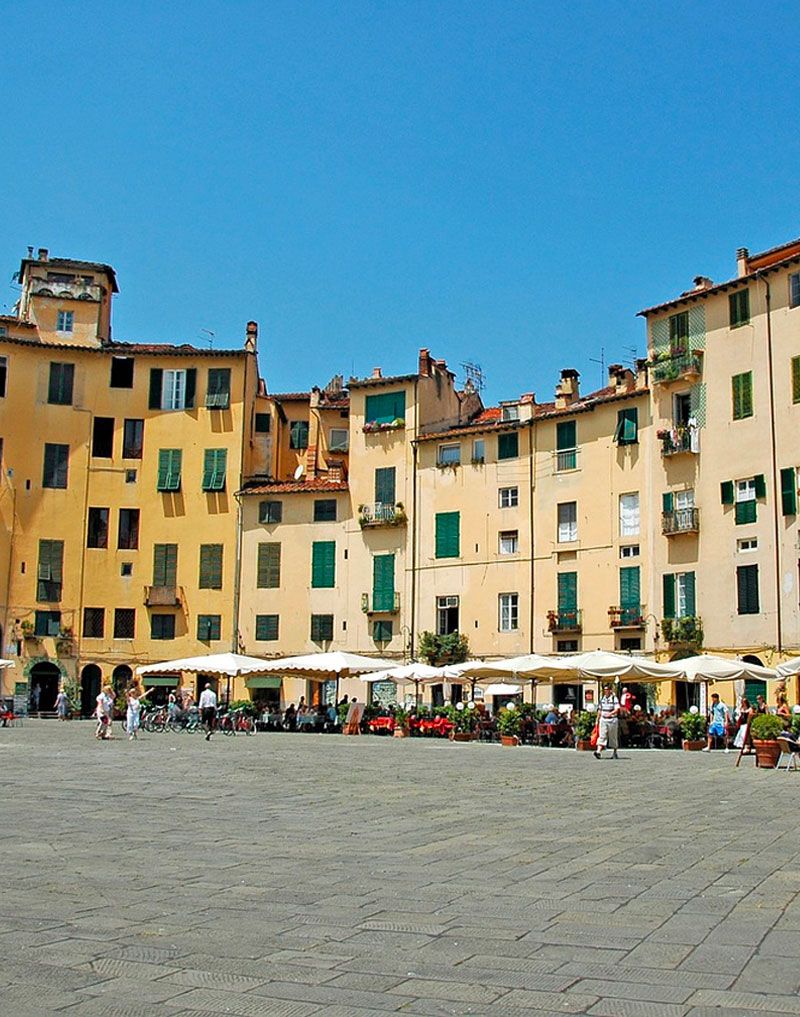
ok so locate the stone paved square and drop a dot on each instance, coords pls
(298, 875)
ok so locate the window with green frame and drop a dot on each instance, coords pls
(385, 485)
(747, 601)
(448, 534)
(267, 627)
(627, 431)
(268, 571)
(325, 510)
(218, 393)
(739, 307)
(679, 594)
(169, 469)
(382, 631)
(508, 445)
(210, 567)
(209, 627)
(742, 395)
(383, 582)
(789, 491)
(321, 628)
(165, 564)
(796, 379)
(566, 445)
(385, 408)
(215, 462)
(50, 573)
(678, 328)
(298, 434)
(323, 564)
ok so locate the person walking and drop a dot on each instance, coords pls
(208, 709)
(133, 716)
(103, 711)
(608, 735)
(62, 705)
(718, 718)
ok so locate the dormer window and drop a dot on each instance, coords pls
(65, 322)
(510, 412)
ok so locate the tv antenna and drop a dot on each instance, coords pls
(474, 374)
(632, 358)
(602, 362)
(211, 337)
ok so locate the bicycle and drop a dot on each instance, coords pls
(233, 721)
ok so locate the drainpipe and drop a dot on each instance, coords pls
(246, 413)
(774, 462)
(530, 530)
(413, 611)
(7, 612)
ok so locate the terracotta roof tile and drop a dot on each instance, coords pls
(316, 486)
(289, 397)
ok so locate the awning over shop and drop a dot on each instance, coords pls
(263, 682)
(169, 680)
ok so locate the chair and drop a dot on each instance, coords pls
(790, 749)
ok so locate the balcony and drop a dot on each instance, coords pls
(685, 520)
(676, 441)
(627, 617)
(680, 365)
(162, 596)
(382, 513)
(76, 290)
(381, 604)
(564, 621)
(377, 426)
(686, 632)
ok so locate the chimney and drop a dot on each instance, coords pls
(30, 253)
(620, 378)
(376, 372)
(702, 282)
(641, 373)
(43, 253)
(567, 389)
(742, 262)
(251, 340)
(424, 369)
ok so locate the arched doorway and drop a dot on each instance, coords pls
(44, 677)
(754, 687)
(91, 680)
(121, 680)
(687, 694)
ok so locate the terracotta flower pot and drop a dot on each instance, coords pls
(510, 741)
(583, 745)
(460, 736)
(693, 746)
(401, 732)
(767, 753)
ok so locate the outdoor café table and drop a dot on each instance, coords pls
(306, 720)
(275, 720)
(381, 724)
(546, 733)
(436, 726)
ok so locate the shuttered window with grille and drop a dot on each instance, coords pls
(169, 469)
(268, 572)
(323, 564)
(383, 582)
(747, 589)
(448, 534)
(215, 461)
(742, 395)
(50, 573)
(165, 564)
(210, 567)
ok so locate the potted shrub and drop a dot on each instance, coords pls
(464, 718)
(584, 725)
(508, 723)
(693, 729)
(401, 729)
(764, 730)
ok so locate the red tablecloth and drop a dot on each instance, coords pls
(381, 724)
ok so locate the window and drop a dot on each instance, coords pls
(509, 542)
(124, 622)
(678, 328)
(509, 497)
(629, 595)
(745, 544)
(130, 476)
(165, 564)
(103, 437)
(47, 623)
(268, 570)
(209, 627)
(566, 446)
(270, 511)
(126, 568)
(128, 536)
(325, 510)
(215, 463)
(169, 469)
(509, 612)
(383, 582)
(385, 485)
(747, 589)
(679, 595)
(629, 515)
(218, 393)
(739, 306)
(132, 439)
(62, 377)
(788, 491)
(65, 321)
(121, 372)
(448, 526)
(567, 645)
(97, 529)
(210, 567)
(94, 622)
(56, 459)
(478, 450)
(449, 455)
(382, 631)
(267, 627)
(4, 375)
(746, 506)
(323, 564)
(172, 390)
(508, 446)
(298, 434)
(385, 408)
(629, 551)
(321, 628)
(339, 439)
(567, 586)
(162, 626)
(262, 424)
(795, 380)
(510, 412)
(50, 571)
(627, 431)
(630, 643)
(794, 289)
(567, 522)
(446, 615)
(742, 395)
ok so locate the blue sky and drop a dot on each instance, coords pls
(506, 183)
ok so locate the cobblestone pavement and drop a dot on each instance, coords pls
(304, 875)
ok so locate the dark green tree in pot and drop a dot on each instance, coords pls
(508, 724)
(693, 729)
(764, 730)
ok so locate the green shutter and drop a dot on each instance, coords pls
(210, 567)
(156, 385)
(51, 570)
(383, 582)
(690, 609)
(796, 379)
(448, 527)
(268, 572)
(385, 408)
(385, 485)
(789, 491)
(323, 564)
(745, 512)
(508, 445)
(215, 461)
(726, 492)
(760, 485)
(667, 501)
(668, 580)
(629, 588)
(165, 564)
(267, 627)
(747, 589)
(742, 394)
(567, 592)
(627, 430)
(169, 469)
(191, 388)
(565, 435)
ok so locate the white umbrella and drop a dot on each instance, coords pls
(414, 672)
(534, 665)
(788, 668)
(321, 667)
(502, 689)
(475, 669)
(6, 663)
(705, 667)
(219, 665)
(600, 664)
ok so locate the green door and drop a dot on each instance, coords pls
(629, 595)
(383, 582)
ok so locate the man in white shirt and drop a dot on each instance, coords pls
(208, 709)
(609, 722)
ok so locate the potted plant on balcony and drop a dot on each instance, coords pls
(693, 729)
(399, 518)
(764, 730)
(27, 630)
(508, 724)
(584, 725)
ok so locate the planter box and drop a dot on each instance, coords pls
(462, 736)
(767, 753)
(693, 746)
(401, 732)
(583, 745)
(510, 741)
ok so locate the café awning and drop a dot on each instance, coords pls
(262, 681)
